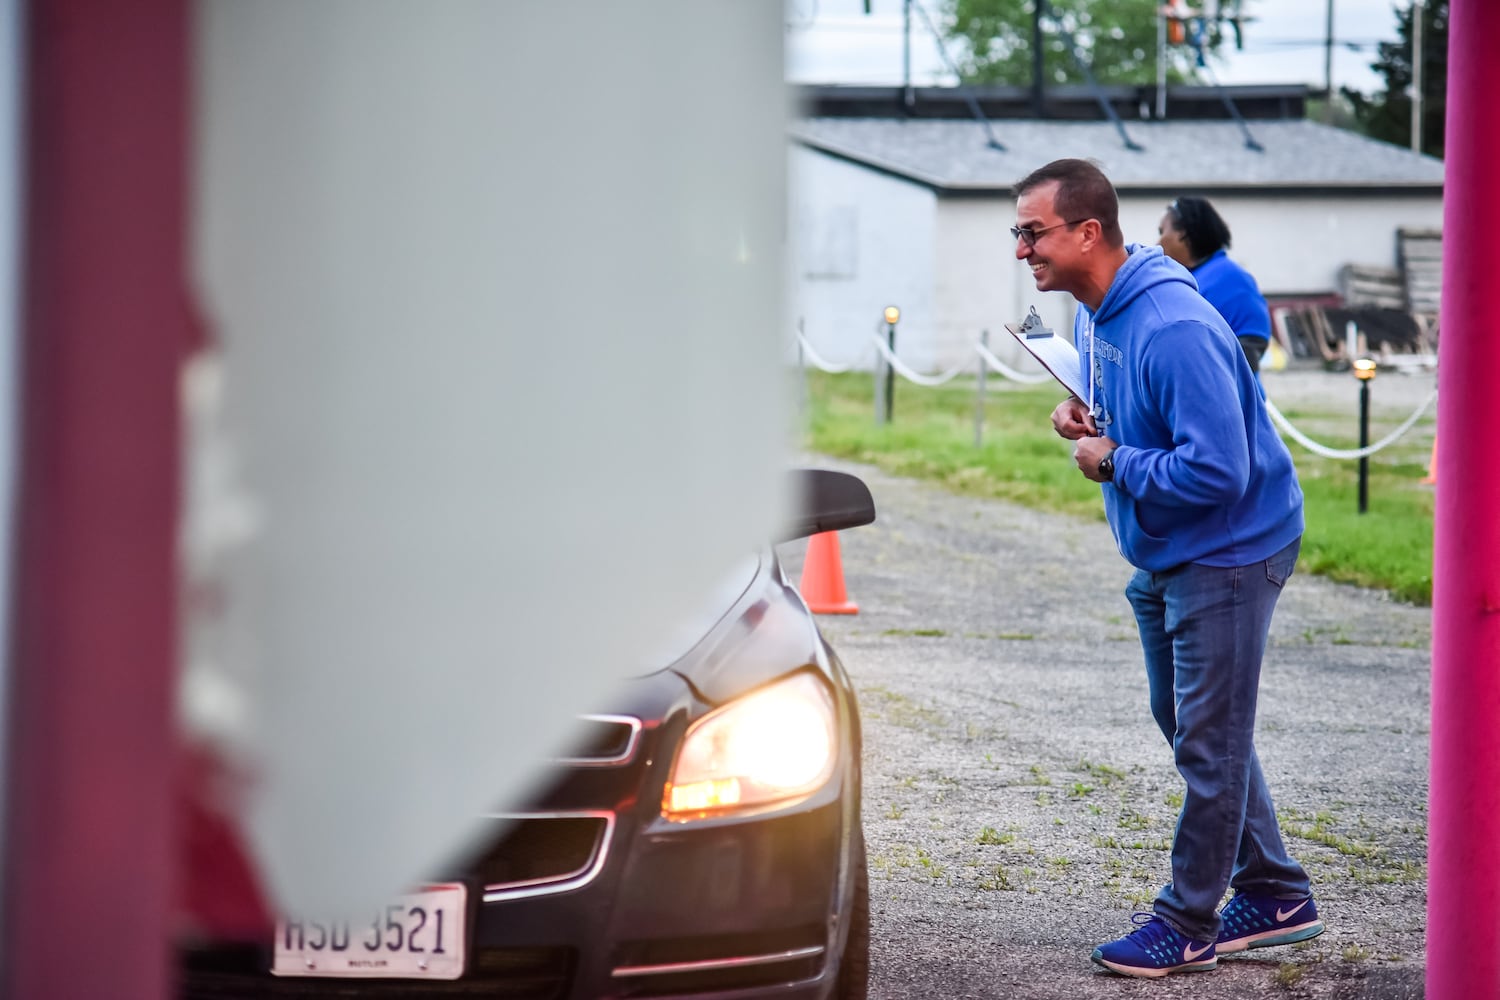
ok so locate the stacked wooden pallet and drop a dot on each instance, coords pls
(1389, 312)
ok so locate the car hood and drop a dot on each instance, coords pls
(762, 633)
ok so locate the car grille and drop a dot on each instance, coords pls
(543, 853)
(604, 741)
(720, 962)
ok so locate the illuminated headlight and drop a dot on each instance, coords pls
(775, 744)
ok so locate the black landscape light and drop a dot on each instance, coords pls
(1364, 370)
(892, 316)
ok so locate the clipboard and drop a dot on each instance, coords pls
(1056, 354)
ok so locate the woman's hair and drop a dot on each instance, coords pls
(1206, 233)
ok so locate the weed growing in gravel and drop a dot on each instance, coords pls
(931, 868)
(1320, 831)
(1102, 773)
(1039, 776)
(1356, 953)
(989, 835)
(882, 703)
(1134, 821)
(921, 633)
(1398, 873)
(998, 880)
(894, 812)
(1173, 799)
(1288, 974)
(1079, 790)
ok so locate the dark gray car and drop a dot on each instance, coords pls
(703, 838)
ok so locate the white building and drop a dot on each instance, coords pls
(892, 209)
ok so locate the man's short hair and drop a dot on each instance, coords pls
(1205, 231)
(1083, 192)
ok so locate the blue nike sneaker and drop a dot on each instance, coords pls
(1154, 949)
(1263, 921)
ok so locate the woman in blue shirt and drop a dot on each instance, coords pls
(1195, 236)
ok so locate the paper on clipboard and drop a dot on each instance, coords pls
(1057, 354)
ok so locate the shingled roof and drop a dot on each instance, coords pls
(1297, 156)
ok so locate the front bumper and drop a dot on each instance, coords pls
(731, 909)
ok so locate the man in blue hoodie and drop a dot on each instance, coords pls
(1203, 500)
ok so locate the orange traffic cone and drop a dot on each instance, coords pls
(1431, 476)
(822, 583)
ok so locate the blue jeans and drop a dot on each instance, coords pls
(1203, 630)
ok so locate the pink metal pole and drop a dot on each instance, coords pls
(92, 760)
(1463, 920)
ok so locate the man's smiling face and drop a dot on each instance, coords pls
(1054, 256)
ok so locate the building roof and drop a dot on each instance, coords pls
(954, 157)
(1054, 101)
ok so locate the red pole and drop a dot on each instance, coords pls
(1463, 920)
(92, 755)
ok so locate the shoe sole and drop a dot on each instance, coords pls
(1268, 939)
(1207, 965)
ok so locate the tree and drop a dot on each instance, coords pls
(1116, 37)
(1387, 115)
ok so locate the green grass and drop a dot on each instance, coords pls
(1021, 459)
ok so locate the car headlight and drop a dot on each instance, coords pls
(775, 744)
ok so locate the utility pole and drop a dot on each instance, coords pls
(1037, 58)
(1161, 62)
(908, 95)
(1416, 76)
(1328, 65)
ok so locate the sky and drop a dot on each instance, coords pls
(834, 41)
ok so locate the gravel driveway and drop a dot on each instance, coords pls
(1019, 801)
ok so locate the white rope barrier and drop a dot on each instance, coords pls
(822, 365)
(987, 357)
(912, 376)
(985, 354)
(1034, 378)
(1327, 452)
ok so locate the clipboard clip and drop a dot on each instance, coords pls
(1032, 326)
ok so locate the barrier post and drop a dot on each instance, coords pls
(1364, 370)
(892, 316)
(984, 339)
(801, 368)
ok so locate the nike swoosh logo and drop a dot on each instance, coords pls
(1287, 914)
(1189, 954)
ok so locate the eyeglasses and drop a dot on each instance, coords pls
(1030, 235)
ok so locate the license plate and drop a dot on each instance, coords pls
(421, 935)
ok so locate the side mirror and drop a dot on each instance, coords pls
(824, 500)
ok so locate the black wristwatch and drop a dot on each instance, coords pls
(1107, 466)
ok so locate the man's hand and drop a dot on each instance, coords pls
(1088, 453)
(1072, 419)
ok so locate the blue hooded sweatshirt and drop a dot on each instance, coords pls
(1200, 473)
